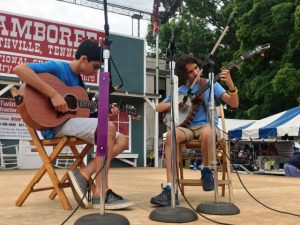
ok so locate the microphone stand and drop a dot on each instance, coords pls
(173, 214)
(103, 108)
(216, 207)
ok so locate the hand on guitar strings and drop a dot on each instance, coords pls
(114, 109)
(182, 105)
(59, 103)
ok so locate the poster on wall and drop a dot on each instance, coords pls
(12, 126)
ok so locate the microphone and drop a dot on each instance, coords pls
(175, 31)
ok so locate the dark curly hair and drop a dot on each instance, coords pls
(180, 70)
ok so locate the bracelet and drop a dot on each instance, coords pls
(233, 92)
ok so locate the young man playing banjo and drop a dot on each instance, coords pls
(188, 70)
(88, 59)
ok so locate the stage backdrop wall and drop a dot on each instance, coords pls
(27, 39)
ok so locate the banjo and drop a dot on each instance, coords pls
(188, 110)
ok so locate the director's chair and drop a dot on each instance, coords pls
(222, 151)
(58, 185)
(47, 165)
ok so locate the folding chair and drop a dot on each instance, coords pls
(222, 151)
(58, 144)
(47, 167)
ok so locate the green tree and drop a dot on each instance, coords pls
(266, 85)
(198, 32)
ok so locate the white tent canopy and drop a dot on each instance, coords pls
(278, 125)
(234, 123)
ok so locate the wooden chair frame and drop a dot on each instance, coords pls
(47, 167)
(222, 151)
(58, 144)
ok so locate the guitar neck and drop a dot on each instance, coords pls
(87, 104)
(131, 110)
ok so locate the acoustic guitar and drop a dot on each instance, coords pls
(37, 111)
(187, 112)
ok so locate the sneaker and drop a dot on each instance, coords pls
(164, 198)
(112, 201)
(207, 178)
(79, 187)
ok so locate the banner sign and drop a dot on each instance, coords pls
(11, 123)
(25, 39)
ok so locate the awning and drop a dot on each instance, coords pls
(278, 125)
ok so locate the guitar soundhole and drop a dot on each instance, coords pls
(71, 101)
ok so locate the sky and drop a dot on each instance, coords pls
(79, 15)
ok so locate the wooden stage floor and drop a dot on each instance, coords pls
(140, 184)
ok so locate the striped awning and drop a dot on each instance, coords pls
(278, 125)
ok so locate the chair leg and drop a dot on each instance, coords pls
(228, 170)
(224, 170)
(230, 188)
(47, 167)
(180, 165)
(58, 189)
(37, 177)
(75, 164)
(52, 174)
(30, 187)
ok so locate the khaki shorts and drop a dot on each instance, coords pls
(194, 132)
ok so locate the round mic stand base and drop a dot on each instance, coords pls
(218, 208)
(106, 219)
(170, 214)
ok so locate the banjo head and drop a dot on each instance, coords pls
(182, 115)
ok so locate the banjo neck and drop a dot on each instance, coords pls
(260, 49)
(216, 78)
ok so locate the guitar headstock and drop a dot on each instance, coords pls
(131, 110)
(260, 49)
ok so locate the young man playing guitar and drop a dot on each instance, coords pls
(188, 70)
(88, 59)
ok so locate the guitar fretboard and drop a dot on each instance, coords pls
(87, 104)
